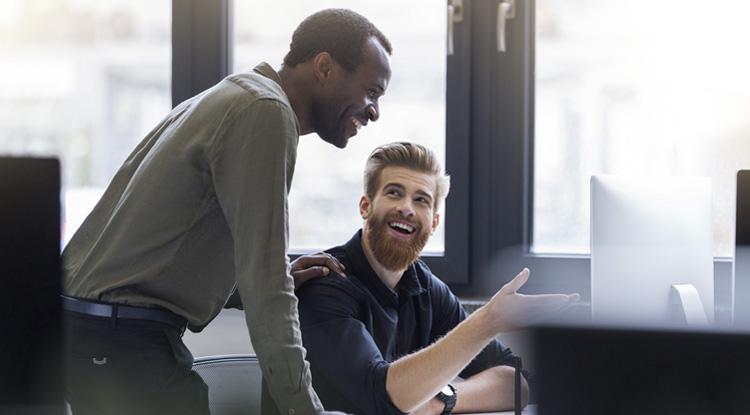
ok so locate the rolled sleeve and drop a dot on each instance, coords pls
(349, 370)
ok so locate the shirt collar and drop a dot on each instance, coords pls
(267, 71)
(409, 283)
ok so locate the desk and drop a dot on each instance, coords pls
(530, 410)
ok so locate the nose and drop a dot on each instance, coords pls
(405, 208)
(373, 111)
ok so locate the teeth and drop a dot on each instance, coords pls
(357, 123)
(402, 226)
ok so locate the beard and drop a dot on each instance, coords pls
(392, 253)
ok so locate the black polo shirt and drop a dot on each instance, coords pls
(354, 328)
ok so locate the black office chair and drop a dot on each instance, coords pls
(234, 383)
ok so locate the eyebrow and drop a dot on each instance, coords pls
(428, 195)
(378, 86)
(378, 89)
(401, 187)
(398, 185)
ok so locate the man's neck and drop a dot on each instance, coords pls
(388, 277)
(296, 86)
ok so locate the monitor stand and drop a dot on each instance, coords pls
(686, 306)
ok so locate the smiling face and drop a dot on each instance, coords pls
(400, 218)
(351, 101)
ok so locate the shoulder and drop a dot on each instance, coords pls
(329, 298)
(334, 285)
(260, 84)
(249, 96)
(333, 291)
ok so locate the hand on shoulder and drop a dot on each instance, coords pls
(316, 265)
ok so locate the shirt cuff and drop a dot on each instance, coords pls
(302, 403)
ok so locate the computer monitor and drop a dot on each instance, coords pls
(742, 253)
(31, 375)
(618, 371)
(651, 251)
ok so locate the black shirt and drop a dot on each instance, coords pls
(354, 328)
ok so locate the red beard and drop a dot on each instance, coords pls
(392, 253)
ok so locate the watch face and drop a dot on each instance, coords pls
(447, 391)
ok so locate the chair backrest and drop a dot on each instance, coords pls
(234, 383)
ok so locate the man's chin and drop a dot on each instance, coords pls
(397, 255)
(338, 142)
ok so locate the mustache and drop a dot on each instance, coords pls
(397, 217)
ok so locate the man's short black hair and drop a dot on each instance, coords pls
(340, 32)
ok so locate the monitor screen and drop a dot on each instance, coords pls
(651, 251)
(31, 368)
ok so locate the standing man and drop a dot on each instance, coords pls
(391, 338)
(198, 210)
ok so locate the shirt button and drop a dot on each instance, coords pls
(291, 412)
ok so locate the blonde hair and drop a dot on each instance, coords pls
(409, 155)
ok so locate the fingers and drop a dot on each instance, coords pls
(316, 265)
(300, 277)
(335, 265)
(552, 301)
(319, 259)
(516, 283)
(312, 272)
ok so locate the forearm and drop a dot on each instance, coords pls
(414, 379)
(490, 390)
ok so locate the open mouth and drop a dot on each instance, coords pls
(357, 123)
(401, 227)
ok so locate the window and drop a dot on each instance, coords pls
(84, 81)
(661, 90)
(328, 181)
(525, 101)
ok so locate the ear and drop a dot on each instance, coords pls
(435, 222)
(323, 67)
(364, 207)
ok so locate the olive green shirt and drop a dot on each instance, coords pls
(199, 206)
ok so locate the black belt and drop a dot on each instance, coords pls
(118, 311)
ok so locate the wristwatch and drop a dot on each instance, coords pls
(448, 396)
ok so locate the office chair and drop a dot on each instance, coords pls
(234, 383)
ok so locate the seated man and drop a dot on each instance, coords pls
(391, 336)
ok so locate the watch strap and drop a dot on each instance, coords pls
(449, 400)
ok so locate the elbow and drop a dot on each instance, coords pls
(381, 393)
(525, 393)
(400, 400)
(400, 397)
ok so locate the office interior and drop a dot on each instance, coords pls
(579, 89)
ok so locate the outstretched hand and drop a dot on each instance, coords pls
(512, 311)
(316, 265)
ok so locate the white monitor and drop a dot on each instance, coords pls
(651, 251)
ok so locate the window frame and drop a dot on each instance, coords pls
(502, 167)
(201, 46)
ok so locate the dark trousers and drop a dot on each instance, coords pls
(129, 367)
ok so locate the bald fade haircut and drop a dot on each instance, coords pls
(340, 32)
(411, 156)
